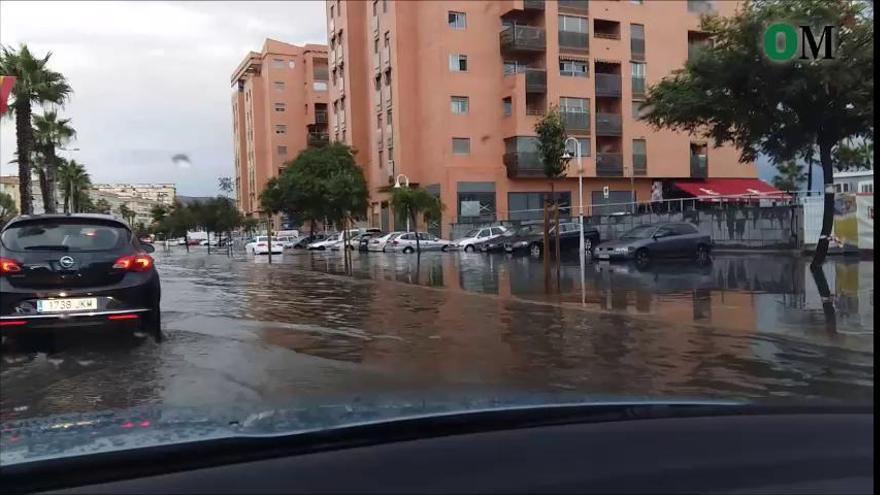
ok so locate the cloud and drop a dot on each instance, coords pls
(151, 79)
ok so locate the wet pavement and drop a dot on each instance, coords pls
(242, 331)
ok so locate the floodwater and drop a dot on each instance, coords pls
(243, 331)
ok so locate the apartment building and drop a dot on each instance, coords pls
(447, 93)
(279, 107)
(161, 193)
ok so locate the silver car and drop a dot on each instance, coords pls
(648, 242)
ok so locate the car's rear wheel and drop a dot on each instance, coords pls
(469, 248)
(535, 249)
(444, 248)
(408, 250)
(152, 323)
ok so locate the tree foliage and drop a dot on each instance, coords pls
(74, 182)
(551, 143)
(50, 132)
(414, 201)
(35, 84)
(852, 155)
(789, 177)
(7, 208)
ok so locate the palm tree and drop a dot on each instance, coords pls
(35, 83)
(789, 176)
(74, 181)
(50, 132)
(126, 213)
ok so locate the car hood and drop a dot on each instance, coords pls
(31, 440)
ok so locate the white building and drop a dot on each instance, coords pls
(157, 193)
(854, 181)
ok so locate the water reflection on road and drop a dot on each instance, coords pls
(244, 331)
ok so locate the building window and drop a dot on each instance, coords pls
(476, 201)
(381, 157)
(573, 68)
(572, 24)
(457, 62)
(388, 120)
(459, 104)
(583, 146)
(280, 107)
(640, 157)
(279, 86)
(331, 11)
(638, 78)
(376, 46)
(637, 2)
(507, 104)
(457, 20)
(277, 63)
(530, 205)
(461, 146)
(282, 151)
(280, 129)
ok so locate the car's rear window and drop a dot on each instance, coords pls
(65, 236)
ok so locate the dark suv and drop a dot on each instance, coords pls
(530, 238)
(78, 270)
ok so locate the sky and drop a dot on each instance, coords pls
(151, 79)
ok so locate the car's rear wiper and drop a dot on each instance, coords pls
(47, 248)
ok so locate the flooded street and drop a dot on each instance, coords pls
(746, 327)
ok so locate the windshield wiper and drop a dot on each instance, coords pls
(47, 248)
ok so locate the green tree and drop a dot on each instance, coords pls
(789, 176)
(225, 184)
(50, 133)
(732, 93)
(74, 182)
(126, 213)
(159, 212)
(551, 147)
(217, 215)
(415, 201)
(7, 208)
(850, 155)
(102, 206)
(35, 84)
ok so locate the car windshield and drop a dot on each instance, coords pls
(640, 232)
(66, 236)
(212, 127)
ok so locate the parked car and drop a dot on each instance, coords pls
(324, 244)
(366, 238)
(530, 239)
(353, 239)
(76, 270)
(262, 246)
(287, 241)
(379, 244)
(469, 242)
(666, 240)
(406, 243)
(305, 240)
(496, 244)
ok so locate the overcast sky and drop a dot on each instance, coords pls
(151, 79)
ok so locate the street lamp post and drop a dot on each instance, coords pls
(398, 186)
(580, 169)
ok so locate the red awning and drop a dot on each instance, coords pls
(731, 190)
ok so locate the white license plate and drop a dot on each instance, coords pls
(604, 256)
(67, 305)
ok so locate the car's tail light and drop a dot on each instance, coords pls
(127, 316)
(134, 263)
(394, 243)
(261, 244)
(9, 266)
(13, 323)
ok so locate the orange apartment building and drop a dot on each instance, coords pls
(279, 107)
(448, 93)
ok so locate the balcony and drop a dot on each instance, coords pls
(640, 164)
(535, 79)
(609, 165)
(574, 121)
(523, 165)
(317, 138)
(699, 166)
(533, 4)
(523, 39)
(574, 41)
(700, 6)
(321, 117)
(608, 124)
(638, 87)
(574, 6)
(607, 84)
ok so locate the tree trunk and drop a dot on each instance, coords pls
(825, 295)
(186, 241)
(546, 245)
(44, 187)
(67, 199)
(809, 176)
(269, 236)
(418, 245)
(209, 243)
(51, 172)
(24, 137)
(557, 247)
(828, 212)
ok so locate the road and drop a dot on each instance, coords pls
(247, 332)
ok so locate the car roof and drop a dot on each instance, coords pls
(52, 216)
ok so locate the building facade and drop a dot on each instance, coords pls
(9, 185)
(279, 107)
(156, 193)
(448, 93)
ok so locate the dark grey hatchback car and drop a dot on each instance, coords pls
(648, 242)
(80, 270)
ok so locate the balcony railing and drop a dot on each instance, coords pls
(533, 4)
(573, 40)
(638, 87)
(608, 35)
(699, 166)
(536, 109)
(523, 39)
(700, 6)
(637, 49)
(321, 118)
(609, 165)
(608, 124)
(575, 120)
(640, 164)
(574, 6)
(536, 79)
(523, 164)
(317, 138)
(607, 84)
